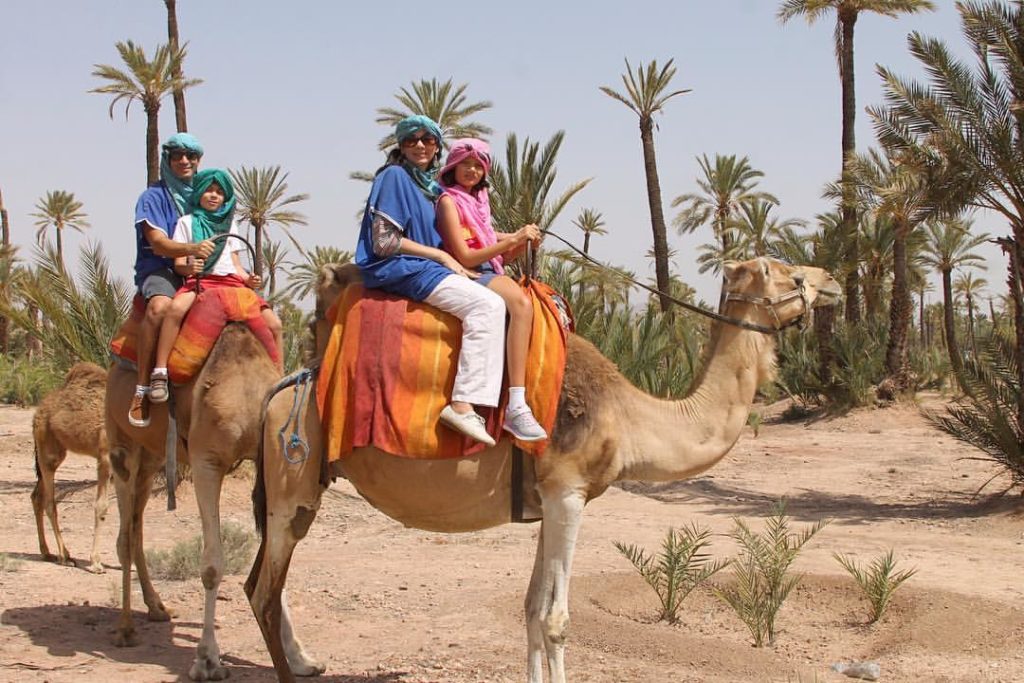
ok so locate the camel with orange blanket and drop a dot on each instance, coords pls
(606, 430)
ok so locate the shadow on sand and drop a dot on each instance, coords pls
(811, 504)
(67, 632)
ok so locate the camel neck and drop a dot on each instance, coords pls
(685, 437)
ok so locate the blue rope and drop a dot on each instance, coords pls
(293, 442)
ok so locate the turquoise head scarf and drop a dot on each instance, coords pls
(426, 180)
(181, 190)
(208, 224)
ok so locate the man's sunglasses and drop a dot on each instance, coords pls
(178, 154)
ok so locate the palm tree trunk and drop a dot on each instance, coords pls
(992, 313)
(5, 243)
(152, 143)
(824, 317)
(257, 228)
(970, 325)
(657, 215)
(924, 330)
(899, 313)
(847, 19)
(949, 323)
(172, 41)
(1012, 248)
(33, 344)
(60, 246)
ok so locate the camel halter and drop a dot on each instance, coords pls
(760, 301)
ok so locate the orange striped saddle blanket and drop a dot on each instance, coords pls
(389, 368)
(212, 310)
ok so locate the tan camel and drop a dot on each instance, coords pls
(71, 419)
(606, 431)
(218, 425)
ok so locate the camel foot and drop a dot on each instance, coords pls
(207, 669)
(126, 637)
(305, 666)
(160, 613)
(96, 568)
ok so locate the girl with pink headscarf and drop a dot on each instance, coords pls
(464, 221)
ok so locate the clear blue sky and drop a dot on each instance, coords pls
(298, 84)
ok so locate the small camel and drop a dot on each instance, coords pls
(218, 425)
(606, 430)
(71, 419)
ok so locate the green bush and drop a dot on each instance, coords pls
(8, 563)
(25, 383)
(184, 560)
(762, 577)
(879, 580)
(682, 566)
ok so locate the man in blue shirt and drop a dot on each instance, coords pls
(156, 213)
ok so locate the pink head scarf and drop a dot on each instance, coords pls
(474, 207)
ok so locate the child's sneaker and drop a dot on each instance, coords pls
(158, 391)
(138, 412)
(521, 424)
(470, 424)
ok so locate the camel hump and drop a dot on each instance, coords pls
(85, 371)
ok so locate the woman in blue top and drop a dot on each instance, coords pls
(400, 251)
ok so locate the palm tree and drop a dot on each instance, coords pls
(876, 243)
(970, 288)
(724, 188)
(80, 316)
(146, 80)
(756, 232)
(520, 187)
(970, 114)
(173, 42)
(10, 276)
(591, 222)
(61, 210)
(445, 103)
(950, 245)
(274, 255)
(303, 276)
(5, 226)
(847, 12)
(6, 256)
(897, 186)
(646, 95)
(262, 200)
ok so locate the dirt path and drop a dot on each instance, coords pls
(382, 604)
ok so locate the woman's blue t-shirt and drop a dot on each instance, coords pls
(396, 196)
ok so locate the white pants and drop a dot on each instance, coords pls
(482, 358)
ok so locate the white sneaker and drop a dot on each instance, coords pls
(470, 424)
(523, 425)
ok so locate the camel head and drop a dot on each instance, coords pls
(331, 282)
(774, 294)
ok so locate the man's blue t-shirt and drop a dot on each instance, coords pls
(157, 208)
(396, 195)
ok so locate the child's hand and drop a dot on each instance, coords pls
(194, 266)
(253, 281)
(449, 262)
(529, 233)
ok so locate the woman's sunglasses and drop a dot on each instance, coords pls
(427, 140)
(178, 154)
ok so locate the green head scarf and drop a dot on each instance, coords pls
(208, 224)
(181, 190)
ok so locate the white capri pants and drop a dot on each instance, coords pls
(482, 358)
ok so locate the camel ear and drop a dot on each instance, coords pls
(729, 268)
(765, 265)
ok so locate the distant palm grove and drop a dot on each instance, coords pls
(903, 215)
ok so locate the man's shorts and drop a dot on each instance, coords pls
(163, 282)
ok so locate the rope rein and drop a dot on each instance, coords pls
(761, 301)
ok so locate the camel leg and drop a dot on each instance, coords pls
(548, 596)
(534, 630)
(102, 505)
(135, 470)
(49, 456)
(292, 495)
(207, 478)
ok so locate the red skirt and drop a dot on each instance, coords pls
(215, 282)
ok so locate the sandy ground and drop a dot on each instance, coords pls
(382, 604)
